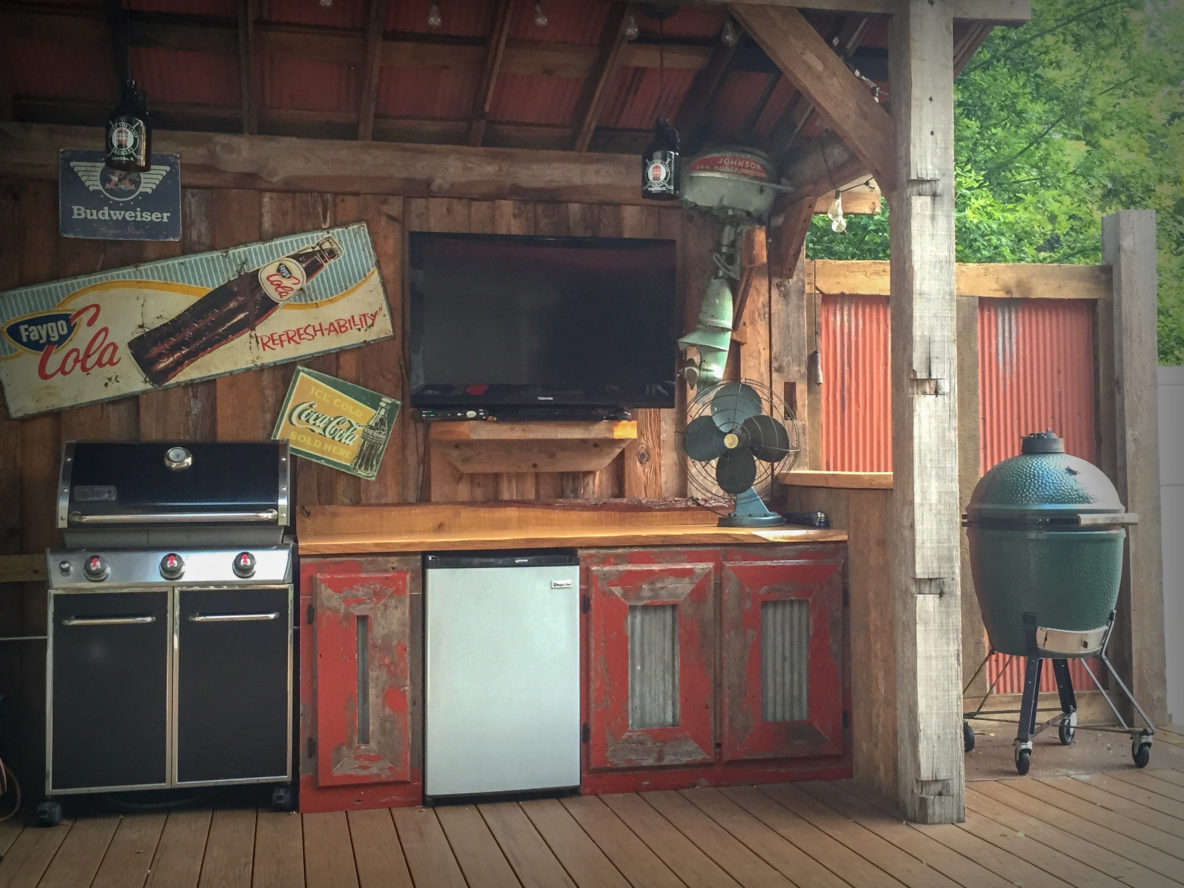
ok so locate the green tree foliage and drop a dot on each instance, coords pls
(1076, 114)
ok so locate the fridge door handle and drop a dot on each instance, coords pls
(107, 621)
(233, 618)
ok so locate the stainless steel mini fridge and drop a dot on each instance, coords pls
(501, 672)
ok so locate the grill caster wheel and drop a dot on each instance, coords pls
(1066, 731)
(1023, 760)
(282, 798)
(1141, 751)
(49, 813)
(967, 736)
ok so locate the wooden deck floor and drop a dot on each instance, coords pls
(1120, 829)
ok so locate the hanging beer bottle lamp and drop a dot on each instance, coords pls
(660, 162)
(129, 131)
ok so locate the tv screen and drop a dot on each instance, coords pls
(514, 323)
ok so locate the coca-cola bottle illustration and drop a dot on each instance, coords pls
(227, 312)
(374, 437)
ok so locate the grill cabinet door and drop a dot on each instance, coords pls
(782, 633)
(234, 656)
(108, 716)
(651, 657)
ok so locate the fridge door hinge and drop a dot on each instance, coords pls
(308, 615)
(585, 603)
(585, 734)
(312, 747)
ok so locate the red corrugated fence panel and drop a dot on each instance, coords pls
(856, 387)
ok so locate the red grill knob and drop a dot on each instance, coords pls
(96, 568)
(172, 566)
(244, 564)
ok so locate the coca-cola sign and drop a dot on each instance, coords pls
(336, 423)
(122, 332)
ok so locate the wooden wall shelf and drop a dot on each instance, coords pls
(479, 447)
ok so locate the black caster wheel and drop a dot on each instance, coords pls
(49, 813)
(1066, 731)
(282, 798)
(1141, 751)
(967, 737)
(1023, 760)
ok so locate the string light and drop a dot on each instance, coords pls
(540, 17)
(838, 223)
(434, 20)
(631, 29)
(729, 36)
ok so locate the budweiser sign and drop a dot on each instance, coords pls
(123, 332)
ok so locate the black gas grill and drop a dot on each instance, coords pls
(170, 627)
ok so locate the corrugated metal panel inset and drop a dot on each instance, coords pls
(856, 387)
(471, 18)
(426, 93)
(785, 644)
(653, 666)
(308, 85)
(1036, 372)
(733, 102)
(568, 21)
(338, 14)
(189, 78)
(639, 95)
(44, 69)
(531, 98)
(215, 8)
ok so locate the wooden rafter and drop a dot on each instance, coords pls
(118, 39)
(698, 99)
(375, 23)
(248, 14)
(1001, 12)
(608, 60)
(838, 95)
(495, 55)
(967, 39)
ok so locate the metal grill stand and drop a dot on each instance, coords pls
(1066, 722)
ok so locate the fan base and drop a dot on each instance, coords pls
(751, 521)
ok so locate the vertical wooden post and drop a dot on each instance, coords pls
(925, 537)
(974, 634)
(1128, 246)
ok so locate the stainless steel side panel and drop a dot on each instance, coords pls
(502, 706)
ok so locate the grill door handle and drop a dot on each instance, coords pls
(177, 517)
(107, 621)
(233, 618)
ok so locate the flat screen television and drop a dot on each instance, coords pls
(541, 326)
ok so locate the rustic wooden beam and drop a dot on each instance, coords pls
(754, 264)
(277, 163)
(368, 98)
(494, 56)
(973, 281)
(248, 14)
(791, 222)
(608, 61)
(925, 569)
(1128, 246)
(968, 37)
(22, 568)
(838, 95)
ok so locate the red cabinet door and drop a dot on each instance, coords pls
(362, 644)
(651, 658)
(783, 688)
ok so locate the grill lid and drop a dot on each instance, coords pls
(107, 483)
(1045, 486)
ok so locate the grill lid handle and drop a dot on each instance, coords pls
(264, 516)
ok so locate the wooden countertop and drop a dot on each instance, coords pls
(367, 530)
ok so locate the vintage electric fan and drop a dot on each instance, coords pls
(738, 434)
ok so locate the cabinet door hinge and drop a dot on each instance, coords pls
(585, 603)
(312, 747)
(309, 613)
(585, 734)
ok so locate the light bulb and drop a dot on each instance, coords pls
(631, 29)
(838, 224)
(540, 17)
(434, 20)
(729, 36)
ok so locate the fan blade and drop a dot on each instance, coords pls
(735, 471)
(703, 439)
(767, 438)
(732, 403)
